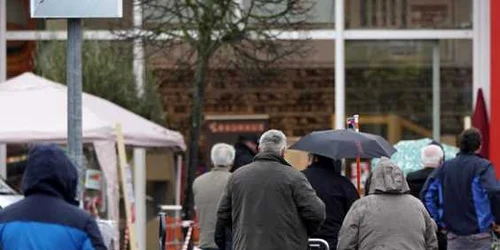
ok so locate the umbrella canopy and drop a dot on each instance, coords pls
(344, 143)
(32, 103)
(408, 155)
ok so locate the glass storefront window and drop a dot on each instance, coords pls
(393, 79)
(408, 14)
(321, 13)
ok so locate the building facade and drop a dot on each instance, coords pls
(394, 53)
(410, 68)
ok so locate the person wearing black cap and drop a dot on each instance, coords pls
(336, 191)
(246, 149)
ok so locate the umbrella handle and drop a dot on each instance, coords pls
(358, 174)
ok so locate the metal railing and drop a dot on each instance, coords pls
(318, 244)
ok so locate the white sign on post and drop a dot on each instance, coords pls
(93, 179)
(76, 8)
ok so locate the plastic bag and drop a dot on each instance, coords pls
(108, 230)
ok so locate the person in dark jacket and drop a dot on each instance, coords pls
(463, 196)
(268, 203)
(336, 191)
(49, 217)
(431, 158)
(246, 149)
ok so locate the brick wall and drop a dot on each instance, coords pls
(300, 100)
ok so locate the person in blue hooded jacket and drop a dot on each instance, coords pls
(48, 217)
(463, 196)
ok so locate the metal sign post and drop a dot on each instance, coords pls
(74, 82)
(3, 76)
(74, 11)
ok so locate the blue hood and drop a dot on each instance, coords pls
(49, 171)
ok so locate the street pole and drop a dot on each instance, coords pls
(139, 153)
(436, 92)
(3, 40)
(3, 76)
(74, 82)
(339, 65)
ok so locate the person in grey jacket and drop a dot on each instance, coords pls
(268, 203)
(208, 189)
(389, 217)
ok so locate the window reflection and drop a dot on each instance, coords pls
(387, 79)
(408, 14)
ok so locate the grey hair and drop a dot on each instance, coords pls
(222, 154)
(431, 156)
(272, 141)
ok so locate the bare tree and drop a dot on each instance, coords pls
(107, 73)
(242, 34)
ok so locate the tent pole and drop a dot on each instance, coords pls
(178, 185)
(140, 195)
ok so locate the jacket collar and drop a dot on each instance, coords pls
(265, 156)
(220, 169)
(321, 165)
(469, 154)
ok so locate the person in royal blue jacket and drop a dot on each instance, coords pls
(463, 196)
(48, 217)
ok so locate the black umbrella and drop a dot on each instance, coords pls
(344, 143)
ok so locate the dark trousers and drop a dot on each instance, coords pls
(442, 241)
(481, 241)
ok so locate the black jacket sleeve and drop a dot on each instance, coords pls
(309, 205)
(220, 236)
(223, 236)
(352, 195)
(224, 219)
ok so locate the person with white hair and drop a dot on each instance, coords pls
(208, 189)
(268, 203)
(431, 157)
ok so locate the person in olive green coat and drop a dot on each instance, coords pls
(270, 204)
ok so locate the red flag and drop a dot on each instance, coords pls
(480, 121)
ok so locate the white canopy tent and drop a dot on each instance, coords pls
(28, 115)
(34, 109)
